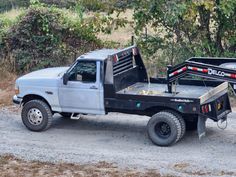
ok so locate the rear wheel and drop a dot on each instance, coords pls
(36, 115)
(182, 122)
(164, 128)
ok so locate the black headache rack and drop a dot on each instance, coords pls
(210, 68)
(123, 69)
(127, 59)
(123, 61)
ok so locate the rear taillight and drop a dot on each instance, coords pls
(203, 109)
(206, 108)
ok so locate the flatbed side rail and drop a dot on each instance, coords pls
(220, 88)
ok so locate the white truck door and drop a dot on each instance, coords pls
(84, 91)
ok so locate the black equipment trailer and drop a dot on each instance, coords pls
(220, 69)
(175, 103)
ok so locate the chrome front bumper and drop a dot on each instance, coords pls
(16, 100)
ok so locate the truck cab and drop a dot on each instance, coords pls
(83, 77)
(75, 89)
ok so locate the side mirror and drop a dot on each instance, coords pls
(65, 78)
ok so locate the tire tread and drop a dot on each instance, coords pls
(175, 121)
(182, 122)
(47, 109)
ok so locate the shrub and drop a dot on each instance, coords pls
(45, 37)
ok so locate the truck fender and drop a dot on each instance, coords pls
(35, 95)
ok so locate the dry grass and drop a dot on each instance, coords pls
(121, 35)
(12, 14)
(14, 167)
(6, 78)
(6, 87)
(186, 169)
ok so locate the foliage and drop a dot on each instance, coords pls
(46, 36)
(187, 28)
(6, 5)
(89, 5)
(9, 4)
(102, 16)
(61, 3)
(106, 5)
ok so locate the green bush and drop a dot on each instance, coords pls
(45, 37)
(105, 5)
(61, 3)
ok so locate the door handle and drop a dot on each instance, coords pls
(93, 87)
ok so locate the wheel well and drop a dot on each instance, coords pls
(30, 97)
(153, 110)
(187, 117)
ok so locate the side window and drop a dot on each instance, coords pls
(84, 71)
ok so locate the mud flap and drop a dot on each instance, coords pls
(201, 126)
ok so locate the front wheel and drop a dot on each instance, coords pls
(36, 115)
(164, 128)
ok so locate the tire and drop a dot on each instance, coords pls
(65, 115)
(191, 125)
(182, 122)
(36, 115)
(164, 128)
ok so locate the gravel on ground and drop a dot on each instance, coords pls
(122, 140)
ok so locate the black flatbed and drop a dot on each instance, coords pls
(158, 89)
(128, 88)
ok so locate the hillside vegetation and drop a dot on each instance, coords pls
(44, 33)
(43, 36)
(6, 5)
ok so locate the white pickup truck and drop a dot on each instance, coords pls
(112, 80)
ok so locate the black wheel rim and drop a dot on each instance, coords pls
(162, 129)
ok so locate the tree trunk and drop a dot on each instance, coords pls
(219, 32)
(205, 16)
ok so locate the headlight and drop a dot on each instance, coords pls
(17, 90)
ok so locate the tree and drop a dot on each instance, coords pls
(184, 28)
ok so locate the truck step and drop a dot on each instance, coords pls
(75, 116)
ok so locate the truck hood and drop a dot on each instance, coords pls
(46, 73)
(40, 82)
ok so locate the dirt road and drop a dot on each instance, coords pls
(121, 139)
